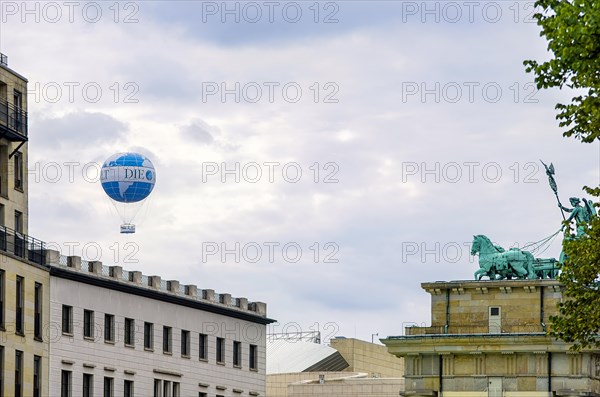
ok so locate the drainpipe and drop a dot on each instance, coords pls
(447, 311)
(542, 323)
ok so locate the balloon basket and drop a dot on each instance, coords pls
(127, 228)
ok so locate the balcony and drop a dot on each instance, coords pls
(23, 246)
(13, 122)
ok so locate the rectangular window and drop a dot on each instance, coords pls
(157, 388)
(20, 306)
(148, 336)
(128, 388)
(167, 339)
(220, 350)
(109, 387)
(237, 354)
(37, 316)
(67, 319)
(18, 225)
(203, 342)
(176, 389)
(109, 328)
(2, 298)
(65, 383)
(201, 394)
(129, 332)
(253, 358)
(185, 343)
(166, 388)
(88, 324)
(18, 162)
(2, 371)
(18, 373)
(37, 376)
(88, 385)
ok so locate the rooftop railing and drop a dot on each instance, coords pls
(22, 245)
(13, 121)
(3, 59)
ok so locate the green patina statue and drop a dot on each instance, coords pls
(498, 264)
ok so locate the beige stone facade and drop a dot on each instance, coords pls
(488, 338)
(372, 372)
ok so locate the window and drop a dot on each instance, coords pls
(18, 373)
(495, 311)
(1, 370)
(2, 297)
(220, 350)
(157, 388)
(237, 354)
(88, 324)
(185, 343)
(65, 383)
(18, 223)
(166, 388)
(203, 342)
(18, 159)
(67, 319)
(253, 358)
(176, 389)
(19, 306)
(129, 332)
(109, 387)
(148, 336)
(201, 394)
(88, 385)
(37, 317)
(166, 339)
(128, 388)
(37, 373)
(109, 328)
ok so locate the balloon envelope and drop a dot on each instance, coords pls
(128, 177)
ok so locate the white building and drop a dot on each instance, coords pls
(120, 333)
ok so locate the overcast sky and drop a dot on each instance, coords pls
(413, 124)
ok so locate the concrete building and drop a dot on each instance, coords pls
(300, 366)
(24, 280)
(488, 338)
(121, 333)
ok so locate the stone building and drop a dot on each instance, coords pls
(347, 367)
(24, 280)
(488, 338)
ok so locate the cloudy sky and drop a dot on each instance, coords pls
(323, 157)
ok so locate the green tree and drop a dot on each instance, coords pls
(572, 29)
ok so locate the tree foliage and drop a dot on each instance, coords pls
(572, 29)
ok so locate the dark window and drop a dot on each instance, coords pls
(148, 336)
(88, 385)
(109, 387)
(129, 332)
(166, 388)
(167, 339)
(128, 388)
(19, 305)
(1, 370)
(88, 324)
(37, 374)
(65, 383)
(203, 342)
(220, 350)
(237, 354)
(495, 311)
(109, 328)
(185, 343)
(157, 388)
(201, 394)
(18, 373)
(37, 319)
(2, 297)
(176, 389)
(67, 319)
(253, 358)
(18, 163)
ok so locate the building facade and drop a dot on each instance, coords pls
(488, 339)
(24, 280)
(121, 333)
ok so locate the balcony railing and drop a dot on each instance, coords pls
(3, 59)
(22, 245)
(13, 122)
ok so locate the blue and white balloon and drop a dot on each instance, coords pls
(128, 177)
